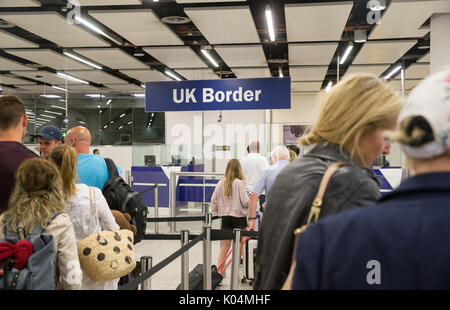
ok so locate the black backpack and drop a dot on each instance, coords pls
(121, 197)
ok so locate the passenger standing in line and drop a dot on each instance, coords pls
(85, 221)
(350, 127)
(91, 169)
(49, 137)
(13, 127)
(280, 159)
(37, 197)
(403, 241)
(230, 200)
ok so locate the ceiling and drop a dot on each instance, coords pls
(121, 44)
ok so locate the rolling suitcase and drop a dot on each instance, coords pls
(249, 260)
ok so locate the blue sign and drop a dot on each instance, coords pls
(225, 94)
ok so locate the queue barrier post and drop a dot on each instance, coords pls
(185, 261)
(207, 283)
(236, 258)
(146, 265)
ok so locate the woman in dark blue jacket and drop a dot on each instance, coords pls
(403, 241)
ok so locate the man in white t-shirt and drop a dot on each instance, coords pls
(252, 166)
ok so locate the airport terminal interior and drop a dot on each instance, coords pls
(101, 63)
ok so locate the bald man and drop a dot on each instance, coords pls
(91, 169)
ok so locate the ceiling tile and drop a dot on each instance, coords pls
(177, 57)
(304, 21)
(403, 19)
(49, 58)
(8, 40)
(308, 73)
(224, 24)
(7, 64)
(306, 86)
(198, 74)
(242, 56)
(140, 27)
(147, 75)
(387, 52)
(425, 58)
(409, 84)
(113, 58)
(311, 54)
(43, 76)
(110, 2)
(13, 81)
(206, 1)
(96, 76)
(373, 69)
(54, 28)
(417, 71)
(18, 3)
(124, 87)
(249, 73)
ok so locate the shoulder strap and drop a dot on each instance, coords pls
(92, 207)
(316, 206)
(112, 167)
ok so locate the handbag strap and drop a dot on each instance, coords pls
(92, 207)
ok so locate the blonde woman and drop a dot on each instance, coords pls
(78, 203)
(350, 127)
(38, 198)
(402, 242)
(230, 200)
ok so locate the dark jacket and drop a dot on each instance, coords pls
(402, 242)
(289, 201)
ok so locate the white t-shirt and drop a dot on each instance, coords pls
(252, 165)
(78, 208)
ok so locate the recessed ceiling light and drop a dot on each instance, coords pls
(177, 20)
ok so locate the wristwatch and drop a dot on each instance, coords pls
(252, 218)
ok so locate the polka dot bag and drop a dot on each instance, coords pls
(107, 255)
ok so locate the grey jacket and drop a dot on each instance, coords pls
(289, 202)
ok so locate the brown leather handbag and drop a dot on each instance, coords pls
(313, 216)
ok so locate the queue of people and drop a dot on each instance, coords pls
(360, 240)
(46, 192)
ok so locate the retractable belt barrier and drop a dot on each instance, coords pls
(215, 235)
(179, 219)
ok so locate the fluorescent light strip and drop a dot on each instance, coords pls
(280, 72)
(329, 86)
(395, 70)
(347, 52)
(43, 115)
(82, 60)
(172, 75)
(72, 78)
(94, 95)
(58, 107)
(143, 86)
(51, 96)
(109, 101)
(211, 60)
(120, 127)
(95, 28)
(139, 95)
(59, 88)
(129, 122)
(122, 115)
(57, 113)
(270, 23)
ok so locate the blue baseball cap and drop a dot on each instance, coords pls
(50, 132)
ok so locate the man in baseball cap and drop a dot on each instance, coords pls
(49, 137)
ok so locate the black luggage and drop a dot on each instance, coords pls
(196, 278)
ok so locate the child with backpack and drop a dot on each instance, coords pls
(37, 240)
(79, 200)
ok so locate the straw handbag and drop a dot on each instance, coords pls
(106, 255)
(313, 216)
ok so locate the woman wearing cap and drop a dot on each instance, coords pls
(403, 241)
(350, 127)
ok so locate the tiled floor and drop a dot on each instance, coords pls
(170, 277)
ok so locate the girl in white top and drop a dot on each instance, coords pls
(78, 205)
(230, 200)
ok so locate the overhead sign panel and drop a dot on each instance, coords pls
(225, 94)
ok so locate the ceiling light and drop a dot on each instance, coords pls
(51, 112)
(95, 28)
(280, 72)
(177, 20)
(120, 127)
(51, 96)
(82, 60)
(172, 75)
(360, 35)
(153, 114)
(329, 86)
(395, 70)
(69, 77)
(376, 5)
(109, 101)
(106, 126)
(211, 60)
(58, 107)
(143, 86)
(139, 95)
(59, 88)
(129, 122)
(93, 95)
(347, 52)
(49, 116)
(122, 115)
(270, 22)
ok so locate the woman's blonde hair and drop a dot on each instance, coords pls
(233, 171)
(37, 195)
(65, 158)
(292, 155)
(356, 105)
